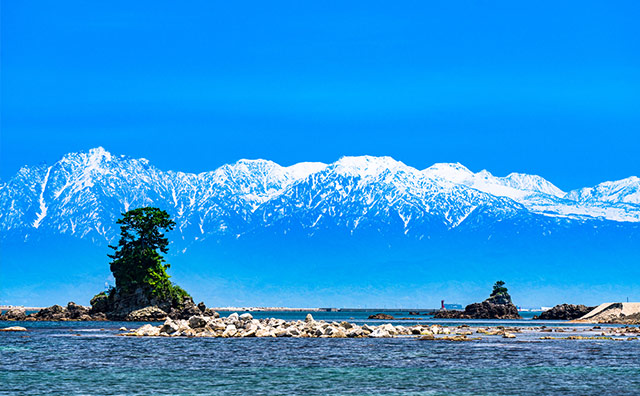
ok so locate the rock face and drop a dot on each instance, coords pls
(495, 307)
(564, 312)
(117, 305)
(137, 306)
(382, 316)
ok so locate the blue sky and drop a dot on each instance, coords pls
(544, 87)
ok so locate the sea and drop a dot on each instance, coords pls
(89, 358)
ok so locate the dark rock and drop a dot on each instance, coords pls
(76, 312)
(201, 306)
(491, 310)
(189, 309)
(117, 304)
(17, 313)
(100, 303)
(382, 316)
(99, 316)
(147, 314)
(197, 322)
(72, 311)
(211, 312)
(174, 313)
(451, 314)
(565, 312)
(414, 313)
(53, 313)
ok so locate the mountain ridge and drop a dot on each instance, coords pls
(83, 193)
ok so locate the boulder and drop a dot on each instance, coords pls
(76, 312)
(197, 322)
(54, 312)
(230, 331)
(210, 312)
(99, 316)
(169, 327)
(148, 314)
(379, 333)
(309, 318)
(17, 313)
(148, 330)
(246, 317)
(189, 309)
(564, 312)
(13, 328)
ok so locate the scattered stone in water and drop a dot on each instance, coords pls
(14, 328)
(382, 316)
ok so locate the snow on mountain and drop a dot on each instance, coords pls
(84, 193)
(516, 186)
(621, 191)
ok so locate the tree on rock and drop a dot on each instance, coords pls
(139, 267)
(499, 289)
(137, 260)
(500, 294)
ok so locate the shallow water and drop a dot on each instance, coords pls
(81, 358)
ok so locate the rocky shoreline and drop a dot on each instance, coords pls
(75, 312)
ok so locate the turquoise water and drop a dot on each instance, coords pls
(85, 358)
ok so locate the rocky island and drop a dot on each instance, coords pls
(497, 306)
(143, 291)
(564, 312)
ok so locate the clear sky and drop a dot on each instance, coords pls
(542, 87)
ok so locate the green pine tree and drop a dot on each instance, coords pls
(138, 261)
(499, 289)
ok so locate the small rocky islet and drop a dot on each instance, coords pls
(245, 325)
(497, 306)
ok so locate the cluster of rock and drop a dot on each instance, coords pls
(72, 311)
(564, 312)
(497, 306)
(155, 314)
(246, 326)
(142, 305)
(75, 312)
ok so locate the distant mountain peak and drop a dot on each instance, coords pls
(367, 166)
(84, 193)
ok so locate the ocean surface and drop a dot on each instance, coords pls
(88, 358)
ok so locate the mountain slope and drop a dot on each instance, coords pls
(83, 194)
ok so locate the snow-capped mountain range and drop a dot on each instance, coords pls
(83, 194)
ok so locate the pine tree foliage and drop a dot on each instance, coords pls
(138, 260)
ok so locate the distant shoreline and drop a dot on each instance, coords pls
(278, 309)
